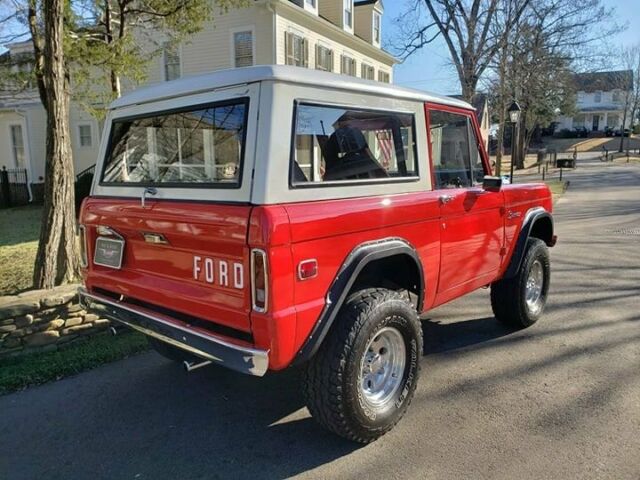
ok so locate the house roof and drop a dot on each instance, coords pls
(360, 3)
(604, 81)
(280, 73)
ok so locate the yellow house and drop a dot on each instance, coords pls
(341, 36)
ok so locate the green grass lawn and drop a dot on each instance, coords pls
(19, 231)
(18, 373)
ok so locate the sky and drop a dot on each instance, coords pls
(430, 69)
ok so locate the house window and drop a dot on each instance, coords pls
(616, 97)
(348, 13)
(578, 121)
(172, 63)
(376, 27)
(324, 58)
(383, 76)
(348, 65)
(296, 50)
(311, 3)
(243, 48)
(597, 97)
(85, 139)
(17, 145)
(368, 72)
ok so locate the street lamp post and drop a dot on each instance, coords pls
(514, 116)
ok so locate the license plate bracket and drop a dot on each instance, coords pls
(109, 252)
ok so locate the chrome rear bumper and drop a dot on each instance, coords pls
(210, 347)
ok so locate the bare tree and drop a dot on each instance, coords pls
(468, 29)
(627, 82)
(551, 38)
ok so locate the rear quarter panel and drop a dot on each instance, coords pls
(329, 230)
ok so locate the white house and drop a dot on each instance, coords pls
(600, 101)
(342, 36)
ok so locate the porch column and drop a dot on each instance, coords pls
(606, 114)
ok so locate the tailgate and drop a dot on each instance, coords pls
(186, 257)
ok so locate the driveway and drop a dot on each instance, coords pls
(558, 400)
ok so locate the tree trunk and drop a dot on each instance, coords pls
(502, 73)
(115, 85)
(57, 257)
(624, 122)
(520, 147)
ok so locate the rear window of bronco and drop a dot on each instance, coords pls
(197, 146)
(334, 144)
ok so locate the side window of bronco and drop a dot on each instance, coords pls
(456, 159)
(334, 144)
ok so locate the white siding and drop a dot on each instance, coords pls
(6, 121)
(331, 10)
(364, 22)
(211, 48)
(83, 157)
(37, 133)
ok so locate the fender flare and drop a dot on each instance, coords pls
(355, 262)
(530, 219)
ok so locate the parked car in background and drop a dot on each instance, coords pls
(581, 132)
(618, 132)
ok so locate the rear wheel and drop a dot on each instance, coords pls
(362, 380)
(520, 301)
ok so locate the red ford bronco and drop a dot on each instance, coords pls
(273, 216)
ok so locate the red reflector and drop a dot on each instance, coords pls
(307, 269)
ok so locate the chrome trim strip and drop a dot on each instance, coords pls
(209, 347)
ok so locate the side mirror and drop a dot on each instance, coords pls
(491, 184)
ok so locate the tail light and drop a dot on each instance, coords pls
(259, 280)
(82, 234)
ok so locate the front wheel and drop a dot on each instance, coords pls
(520, 301)
(362, 380)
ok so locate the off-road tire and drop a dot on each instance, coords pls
(508, 295)
(332, 379)
(172, 353)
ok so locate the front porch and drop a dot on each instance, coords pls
(598, 121)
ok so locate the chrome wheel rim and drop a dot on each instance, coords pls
(382, 367)
(534, 287)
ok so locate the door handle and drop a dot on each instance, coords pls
(444, 199)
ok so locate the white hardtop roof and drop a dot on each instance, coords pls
(279, 73)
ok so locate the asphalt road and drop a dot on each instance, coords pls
(559, 400)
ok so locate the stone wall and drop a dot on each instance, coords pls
(43, 320)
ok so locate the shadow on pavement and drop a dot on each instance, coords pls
(442, 337)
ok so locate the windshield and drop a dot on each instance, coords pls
(200, 146)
